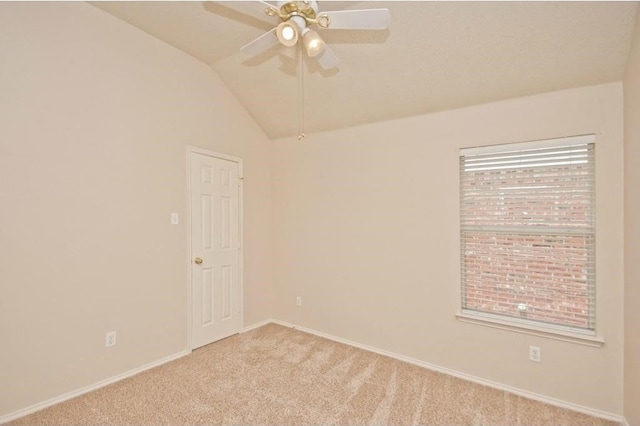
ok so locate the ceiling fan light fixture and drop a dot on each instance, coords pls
(313, 44)
(287, 34)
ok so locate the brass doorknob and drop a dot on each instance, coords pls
(197, 260)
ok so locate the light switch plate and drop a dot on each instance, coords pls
(175, 219)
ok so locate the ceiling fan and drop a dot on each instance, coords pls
(297, 19)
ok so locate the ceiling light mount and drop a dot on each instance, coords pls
(305, 9)
(298, 8)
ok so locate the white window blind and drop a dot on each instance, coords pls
(528, 231)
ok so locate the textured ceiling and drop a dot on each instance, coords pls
(434, 56)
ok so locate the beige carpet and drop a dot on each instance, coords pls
(280, 376)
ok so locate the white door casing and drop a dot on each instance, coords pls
(215, 235)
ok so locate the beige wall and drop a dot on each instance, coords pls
(632, 232)
(366, 231)
(95, 117)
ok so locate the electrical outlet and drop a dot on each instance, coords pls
(535, 354)
(110, 340)
(175, 219)
(298, 301)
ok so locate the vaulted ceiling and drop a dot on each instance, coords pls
(434, 56)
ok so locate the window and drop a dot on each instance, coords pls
(527, 233)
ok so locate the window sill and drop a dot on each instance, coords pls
(547, 332)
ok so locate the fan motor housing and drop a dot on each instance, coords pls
(306, 9)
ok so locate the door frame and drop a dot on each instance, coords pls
(196, 150)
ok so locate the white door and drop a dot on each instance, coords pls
(215, 248)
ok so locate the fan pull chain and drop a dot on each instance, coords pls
(301, 94)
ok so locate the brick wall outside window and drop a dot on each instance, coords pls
(527, 235)
(551, 280)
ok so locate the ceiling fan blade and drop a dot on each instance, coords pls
(253, 8)
(261, 44)
(368, 19)
(327, 59)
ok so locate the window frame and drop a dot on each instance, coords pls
(528, 326)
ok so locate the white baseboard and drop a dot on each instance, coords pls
(464, 376)
(64, 397)
(257, 325)
(56, 400)
(527, 394)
